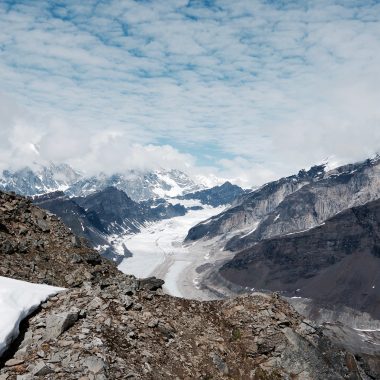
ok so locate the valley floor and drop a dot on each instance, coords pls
(158, 250)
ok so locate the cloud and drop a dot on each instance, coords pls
(270, 86)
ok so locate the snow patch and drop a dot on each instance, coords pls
(18, 299)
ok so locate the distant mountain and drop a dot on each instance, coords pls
(337, 262)
(138, 185)
(103, 214)
(80, 222)
(42, 180)
(216, 196)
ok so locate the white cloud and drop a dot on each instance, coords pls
(274, 86)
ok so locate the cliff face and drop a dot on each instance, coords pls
(348, 186)
(111, 326)
(250, 208)
(337, 262)
(292, 204)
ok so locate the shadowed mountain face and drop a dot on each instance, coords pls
(102, 214)
(216, 196)
(348, 186)
(335, 263)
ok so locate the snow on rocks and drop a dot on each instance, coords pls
(18, 299)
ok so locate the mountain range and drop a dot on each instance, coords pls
(139, 185)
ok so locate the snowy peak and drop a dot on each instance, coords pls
(137, 184)
(43, 179)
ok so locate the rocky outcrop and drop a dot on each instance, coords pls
(36, 246)
(107, 325)
(159, 337)
(335, 263)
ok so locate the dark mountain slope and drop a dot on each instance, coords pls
(118, 213)
(337, 262)
(74, 216)
(110, 211)
(216, 196)
(114, 210)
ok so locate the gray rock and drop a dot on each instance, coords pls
(56, 324)
(219, 363)
(7, 248)
(27, 376)
(43, 224)
(127, 301)
(13, 362)
(41, 369)
(94, 364)
(151, 283)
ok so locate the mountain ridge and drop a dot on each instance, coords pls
(139, 185)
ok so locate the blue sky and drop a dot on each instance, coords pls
(246, 90)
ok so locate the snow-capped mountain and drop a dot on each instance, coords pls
(137, 184)
(41, 180)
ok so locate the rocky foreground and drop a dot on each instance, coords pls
(110, 326)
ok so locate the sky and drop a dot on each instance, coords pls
(248, 90)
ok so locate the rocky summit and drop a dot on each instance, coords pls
(107, 325)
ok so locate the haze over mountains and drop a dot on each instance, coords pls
(139, 185)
